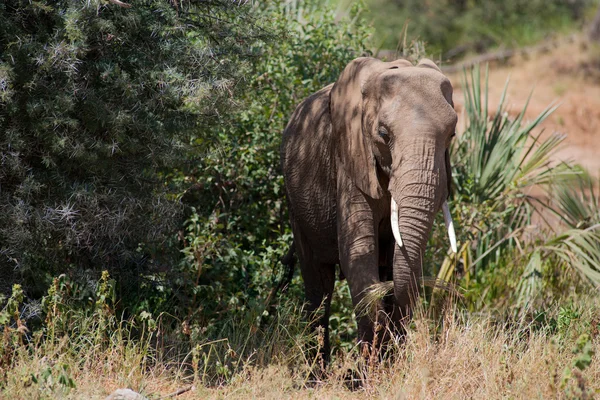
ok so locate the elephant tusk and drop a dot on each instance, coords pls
(449, 226)
(395, 227)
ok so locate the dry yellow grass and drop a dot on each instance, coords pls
(461, 357)
(472, 360)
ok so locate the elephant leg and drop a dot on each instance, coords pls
(359, 254)
(373, 320)
(319, 280)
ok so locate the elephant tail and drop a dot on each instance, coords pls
(289, 261)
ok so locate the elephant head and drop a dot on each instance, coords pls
(392, 125)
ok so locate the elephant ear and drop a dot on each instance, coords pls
(427, 63)
(354, 148)
(447, 89)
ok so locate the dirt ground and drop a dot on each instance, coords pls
(566, 74)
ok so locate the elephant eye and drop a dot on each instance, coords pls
(383, 132)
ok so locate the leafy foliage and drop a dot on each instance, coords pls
(97, 101)
(238, 229)
(497, 160)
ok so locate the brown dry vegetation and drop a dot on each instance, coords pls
(456, 358)
(465, 360)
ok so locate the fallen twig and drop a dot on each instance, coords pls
(179, 391)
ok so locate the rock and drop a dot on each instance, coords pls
(125, 394)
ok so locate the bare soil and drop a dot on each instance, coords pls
(568, 74)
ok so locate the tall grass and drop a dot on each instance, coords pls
(92, 351)
(456, 356)
(73, 346)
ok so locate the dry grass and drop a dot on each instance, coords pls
(455, 358)
(44, 372)
(466, 360)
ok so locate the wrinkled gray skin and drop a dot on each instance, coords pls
(381, 131)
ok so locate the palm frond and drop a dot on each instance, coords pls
(575, 201)
(579, 248)
(530, 283)
(500, 153)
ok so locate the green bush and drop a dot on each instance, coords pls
(238, 229)
(97, 103)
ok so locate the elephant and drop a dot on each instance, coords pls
(366, 168)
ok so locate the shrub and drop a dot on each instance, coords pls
(97, 103)
(505, 260)
(238, 229)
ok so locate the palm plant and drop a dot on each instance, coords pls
(498, 160)
(576, 244)
(504, 174)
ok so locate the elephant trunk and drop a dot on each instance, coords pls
(415, 223)
(417, 192)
